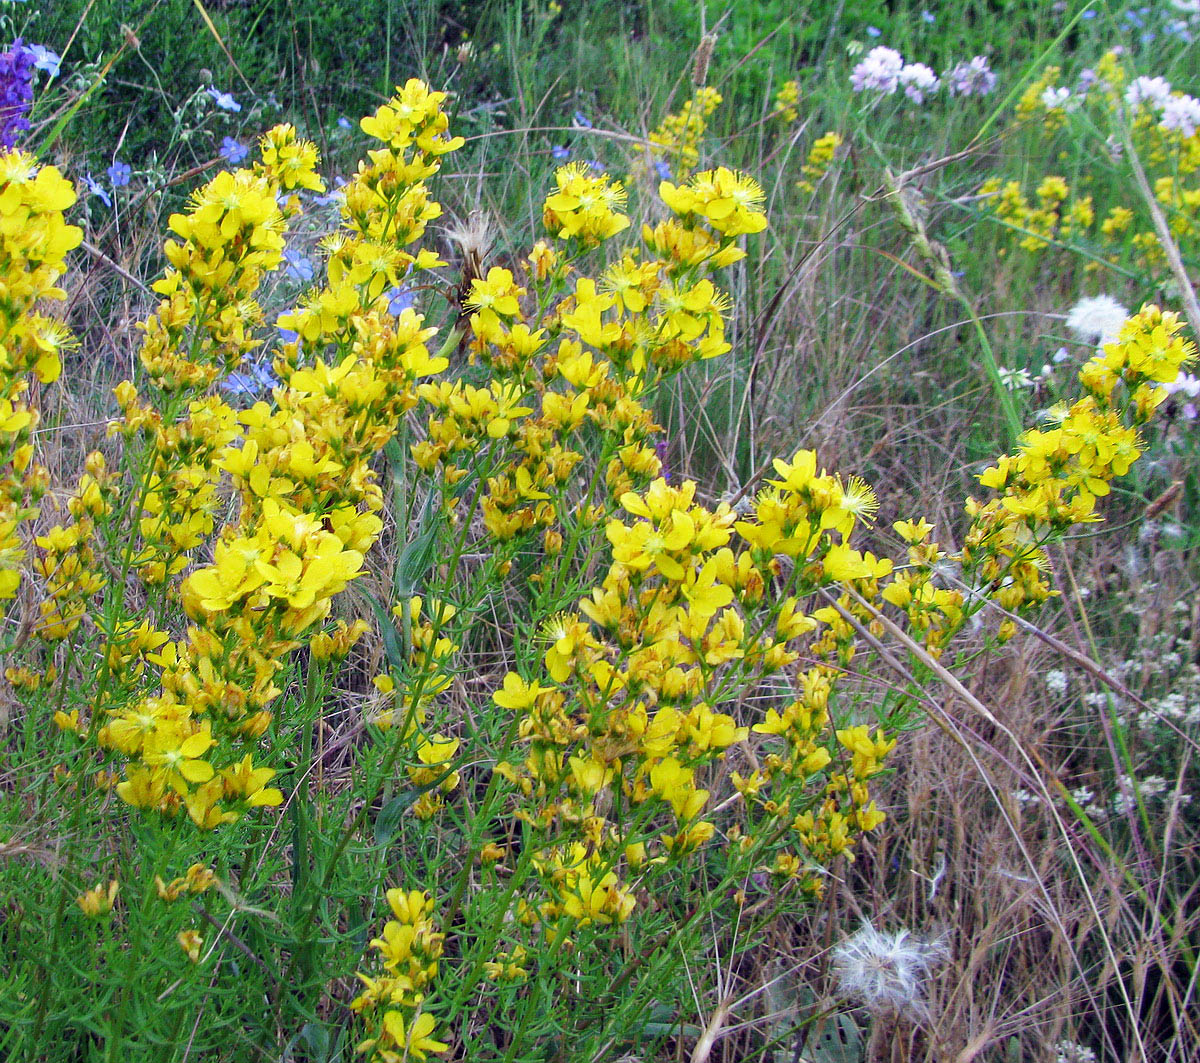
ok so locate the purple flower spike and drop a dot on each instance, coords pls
(16, 92)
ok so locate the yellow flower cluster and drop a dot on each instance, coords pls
(934, 613)
(677, 138)
(605, 343)
(638, 669)
(641, 671)
(1171, 158)
(198, 879)
(820, 159)
(308, 497)
(391, 1005)
(428, 658)
(1182, 207)
(99, 900)
(587, 207)
(34, 242)
(786, 107)
(66, 558)
(1032, 107)
(730, 202)
(1053, 480)
(1052, 216)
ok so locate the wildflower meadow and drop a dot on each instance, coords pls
(612, 533)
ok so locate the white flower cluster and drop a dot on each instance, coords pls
(883, 70)
(1176, 110)
(1057, 681)
(1058, 98)
(1015, 379)
(1085, 798)
(1073, 1052)
(1150, 788)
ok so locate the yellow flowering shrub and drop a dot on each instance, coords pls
(786, 105)
(1052, 212)
(818, 161)
(34, 242)
(676, 140)
(669, 679)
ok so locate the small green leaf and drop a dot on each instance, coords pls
(388, 820)
(416, 558)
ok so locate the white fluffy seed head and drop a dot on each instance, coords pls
(886, 971)
(1097, 319)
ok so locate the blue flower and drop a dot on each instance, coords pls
(232, 151)
(399, 300)
(595, 166)
(928, 17)
(224, 100)
(119, 173)
(98, 190)
(45, 59)
(581, 120)
(251, 381)
(873, 31)
(560, 153)
(335, 195)
(345, 123)
(662, 169)
(298, 267)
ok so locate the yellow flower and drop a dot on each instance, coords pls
(414, 1041)
(497, 292)
(99, 900)
(517, 694)
(787, 101)
(728, 200)
(191, 943)
(586, 207)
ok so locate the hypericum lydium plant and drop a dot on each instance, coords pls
(36, 240)
(668, 712)
(1163, 126)
(676, 141)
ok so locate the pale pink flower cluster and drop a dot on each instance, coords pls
(1181, 113)
(884, 70)
(917, 80)
(1177, 111)
(1153, 92)
(974, 78)
(878, 71)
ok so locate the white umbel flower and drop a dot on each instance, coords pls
(1097, 319)
(887, 972)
